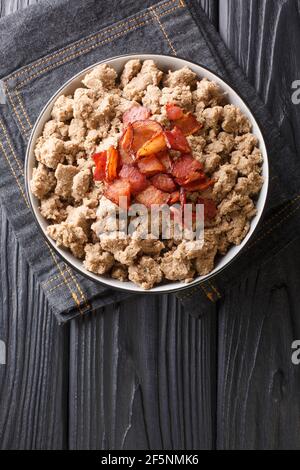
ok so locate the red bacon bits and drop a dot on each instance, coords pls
(186, 169)
(142, 165)
(155, 145)
(174, 111)
(119, 188)
(165, 159)
(176, 140)
(112, 161)
(100, 162)
(125, 144)
(143, 131)
(210, 208)
(186, 122)
(164, 183)
(136, 113)
(137, 180)
(150, 166)
(151, 196)
(174, 197)
(182, 196)
(200, 185)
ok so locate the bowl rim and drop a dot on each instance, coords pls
(102, 281)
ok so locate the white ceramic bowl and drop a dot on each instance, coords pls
(165, 63)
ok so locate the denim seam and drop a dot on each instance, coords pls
(52, 66)
(27, 203)
(81, 42)
(172, 48)
(93, 46)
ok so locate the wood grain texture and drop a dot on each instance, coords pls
(143, 377)
(33, 383)
(258, 386)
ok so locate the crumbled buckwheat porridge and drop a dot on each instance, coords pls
(154, 139)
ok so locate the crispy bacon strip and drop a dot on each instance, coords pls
(150, 166)
(119, 188)
(155, 145)
(137, 180)
(164, 183)
(174, 111)
(176, 140)
(151, 196)
(112, 161)
(199, 185)
(125, 144)
(186, 169)
(100, 162)
(143, 131)
(136, 113)
(210, 208)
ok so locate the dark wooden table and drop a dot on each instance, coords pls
(123, 378)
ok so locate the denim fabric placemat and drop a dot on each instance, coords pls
(47, 44)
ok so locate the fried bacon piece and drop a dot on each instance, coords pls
(151, 196)
(136, 113)
(119, 188)
(164, 183)
(143, 131)
(186, 122)
(182, 197)
(150, 166)
(174, 111)
(176, 140)
(174, 197)
(100, 162)
(165, 159)
(155, 145)
(112, 161)
(125, 144)
(199, 185)
(210, 208)
(137, 180)
(186, 169)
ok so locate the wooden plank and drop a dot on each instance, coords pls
(258, 386)
(142, 377)
(10, 6)
(33, 383)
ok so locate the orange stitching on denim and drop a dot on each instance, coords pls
(163, 31)
(56, 287)
(78, 54)
(11, 148)
(78, 287)
(83, 51)
(23, 109)
(15, 110)
(15, 175)
(273, 228)
(86, 40)
(50, 280)
(185, 296)
(208, 294)
(74, 296)
(27, 204)
(215, 290)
